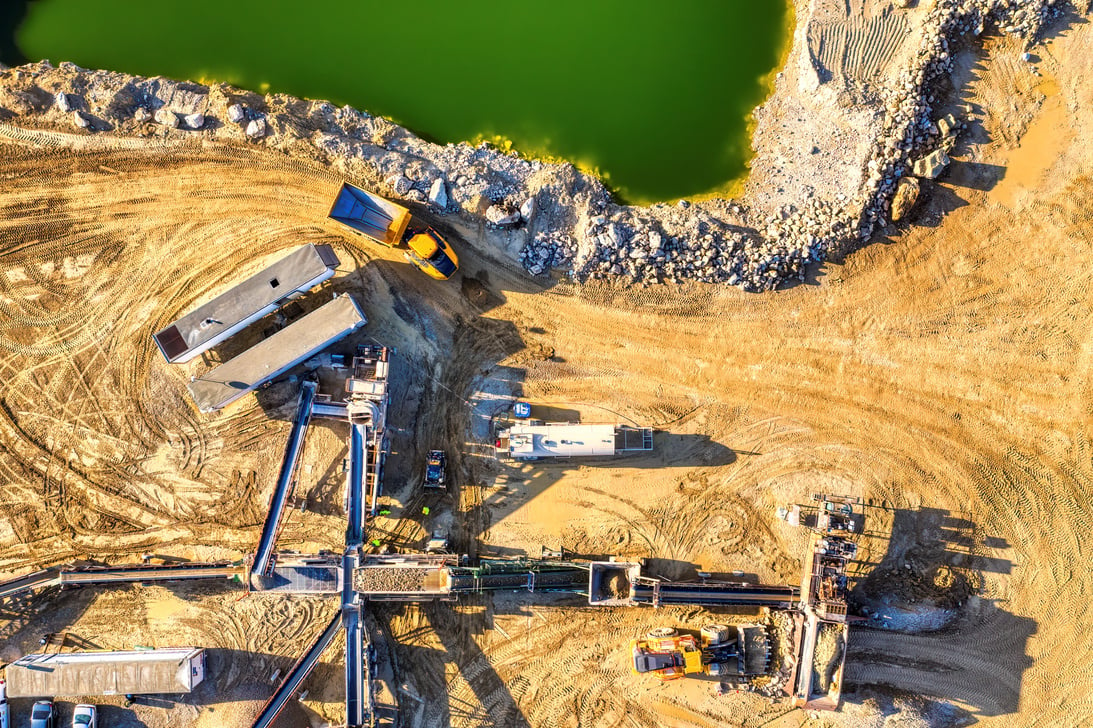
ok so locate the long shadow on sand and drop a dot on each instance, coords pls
(925, 629)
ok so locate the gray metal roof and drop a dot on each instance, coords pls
(212, 322)
(560, 440)
(173, 670)
(277, 354)
(300, 580)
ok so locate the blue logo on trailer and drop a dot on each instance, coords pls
(522, 410)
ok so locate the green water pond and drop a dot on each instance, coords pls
(655, 96)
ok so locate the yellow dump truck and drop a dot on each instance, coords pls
(388, 223)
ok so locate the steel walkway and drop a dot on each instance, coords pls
(263, 555)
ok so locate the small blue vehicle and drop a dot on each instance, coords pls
(435, 465)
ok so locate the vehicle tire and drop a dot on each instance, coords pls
(715, 634)
(660, 633)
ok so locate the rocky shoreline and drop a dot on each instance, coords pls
(805, 200)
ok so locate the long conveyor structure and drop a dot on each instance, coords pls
(86, 575)
(296, 674)
(713, 594)
(263, 555)
(418, 577)
(354, 489)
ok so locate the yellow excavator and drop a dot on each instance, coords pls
(386, 222)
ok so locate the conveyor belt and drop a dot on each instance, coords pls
(532, 579)
(151, 572)
(263, 555)
(330, 410)
(69, 576)
(37, 580)
(354, 493)
(356, 691)
(296, 675)
(712, 594)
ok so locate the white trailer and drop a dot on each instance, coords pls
(131, 672)
(531, 441)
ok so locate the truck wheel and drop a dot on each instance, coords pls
(715, 634)
(660, 633)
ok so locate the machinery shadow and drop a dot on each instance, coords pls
(433, 699)
(923, 626)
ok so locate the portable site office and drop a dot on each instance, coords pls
(531, 441)
(235, 309)
(130, 672)
(272, 357)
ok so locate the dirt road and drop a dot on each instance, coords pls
(942, 374)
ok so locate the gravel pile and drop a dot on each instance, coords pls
(550, 216)
(616, 586)
(390, 579)
(827, 657)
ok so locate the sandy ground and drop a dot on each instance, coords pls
(942, 374)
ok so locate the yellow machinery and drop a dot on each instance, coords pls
(389, 223)
(670, 655)
(430, 252)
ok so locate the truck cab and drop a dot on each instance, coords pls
(435, 465)
(430, 252)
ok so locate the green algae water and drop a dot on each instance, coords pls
(655, 96)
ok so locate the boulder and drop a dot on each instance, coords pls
(195, 121)
(502, 215)
(236, 113)
(142, 114)
(946, 126)
(400, 184)
(438, 193)
(477, 204)
(930, 166)
(256, 129)
(167, 118)
(80, 120)
(906, 195)
(527, 209)
(61, 102)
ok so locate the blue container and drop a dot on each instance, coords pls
(521, 410)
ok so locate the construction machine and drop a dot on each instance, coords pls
(435, 465)
(388, 223)
(719, 650)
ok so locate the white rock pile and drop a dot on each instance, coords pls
(779, 247)
(556, 216)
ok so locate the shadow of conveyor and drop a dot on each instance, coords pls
(477, 696)
(924, 629)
